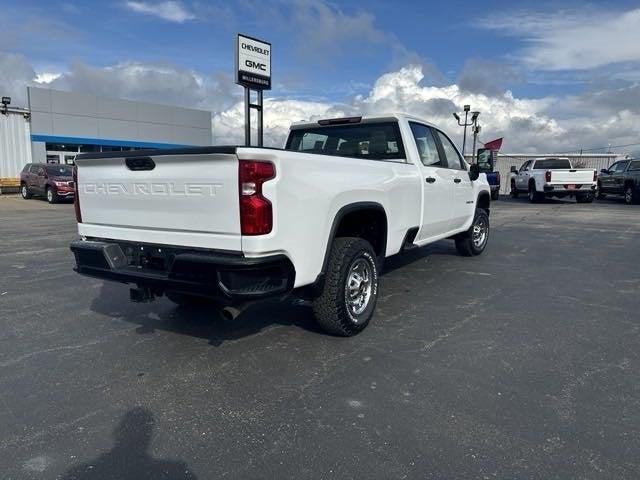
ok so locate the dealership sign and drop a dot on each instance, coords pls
(253, 63)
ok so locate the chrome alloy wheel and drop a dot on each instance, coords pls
(358, 289)
(24, 191)
(479, 232)
(49, 195)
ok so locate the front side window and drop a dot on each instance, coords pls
(377, 141)
(453, 157)
(426, 144)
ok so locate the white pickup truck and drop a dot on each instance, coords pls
(316, 218)
(553, 177)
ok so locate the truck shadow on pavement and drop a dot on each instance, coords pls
(129, 459)
(207, 322)
(201, 321)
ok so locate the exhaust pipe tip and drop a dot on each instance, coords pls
(231, 313)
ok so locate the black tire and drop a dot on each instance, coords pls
(495, 195)
(534, 197)
(25, 192)
(600, 194)
(51, 196)
(331, 308)
(186, 300)
(514, 191)
(630, 197)
(588, 198)
(466, 243)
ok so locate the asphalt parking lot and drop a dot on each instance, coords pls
(521, 363)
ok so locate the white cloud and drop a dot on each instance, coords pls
(170, 10)
(525, 123)
(566, 123)
(573, 40)
(228, 125)
(47, 77)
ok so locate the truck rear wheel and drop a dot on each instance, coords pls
(350, 293)
(629, 195)
(473, 241)
(534, 196)
(514, 190)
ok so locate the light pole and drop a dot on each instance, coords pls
(476, 131)
(474, 117)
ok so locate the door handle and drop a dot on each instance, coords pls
(457, 180)
(430, 179)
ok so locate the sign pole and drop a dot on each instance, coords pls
(247, 117)
(260, 118)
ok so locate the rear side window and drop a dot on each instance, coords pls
(635, 166)
(453, 157)
(552, 163)
(378, 141)
(426, 145)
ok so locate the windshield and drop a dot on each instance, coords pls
(59, 170)
(552, 163)
(365, 140)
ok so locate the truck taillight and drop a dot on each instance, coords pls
(547, 176)
(256, 213)
(76, 197)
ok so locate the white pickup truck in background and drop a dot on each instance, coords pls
(316, 218)
(547, 177)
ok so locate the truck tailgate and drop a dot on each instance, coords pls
(574, 176)
(185, 199)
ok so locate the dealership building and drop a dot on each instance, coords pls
(56, 126)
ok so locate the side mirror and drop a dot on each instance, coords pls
(604, 170)
(474, 171)
(514, 169)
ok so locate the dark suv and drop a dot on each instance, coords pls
(621, 178)
(54, 182)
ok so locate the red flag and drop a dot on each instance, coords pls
(494, 144)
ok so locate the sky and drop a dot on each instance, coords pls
(549, 76)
